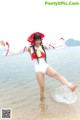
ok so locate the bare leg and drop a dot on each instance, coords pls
(52, 73)
(40, 78)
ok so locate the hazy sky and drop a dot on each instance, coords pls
(20, 18)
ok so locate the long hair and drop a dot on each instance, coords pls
(33, 46)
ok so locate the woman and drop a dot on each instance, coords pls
(38, 55)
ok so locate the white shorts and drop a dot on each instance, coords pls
(41, 67)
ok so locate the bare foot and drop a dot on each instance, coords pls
(73, 87)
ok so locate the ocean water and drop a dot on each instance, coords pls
(19, 89)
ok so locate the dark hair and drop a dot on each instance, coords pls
(33, 46)
(36, 36)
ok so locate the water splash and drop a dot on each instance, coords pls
(64, 95)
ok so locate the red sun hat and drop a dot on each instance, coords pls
(31, 37)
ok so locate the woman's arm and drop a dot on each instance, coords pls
(9, 50)
(54, 46)
(47, 47)
(29, 50)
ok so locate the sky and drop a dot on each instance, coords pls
(20, 18)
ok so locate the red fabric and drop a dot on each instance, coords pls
(61, 38)
(30, 38)
(34, 57)
(25, 49)
(51, 46)
(7, 43)
(8, 48)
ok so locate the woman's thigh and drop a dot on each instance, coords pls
(51, 72)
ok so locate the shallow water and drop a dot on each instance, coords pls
(19, 89)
